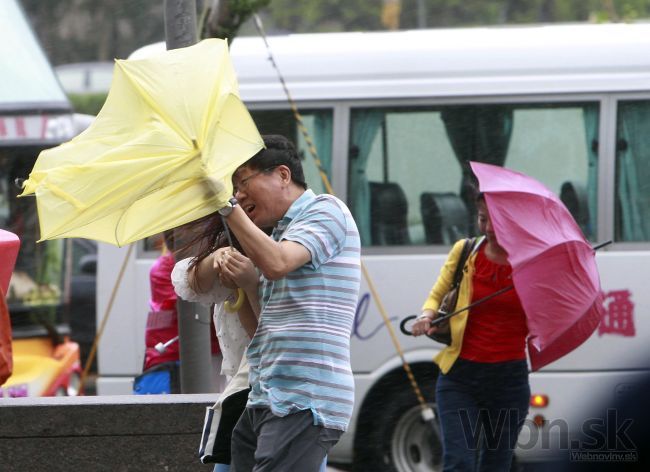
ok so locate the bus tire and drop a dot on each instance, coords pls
(391, 435)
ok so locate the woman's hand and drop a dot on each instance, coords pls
(422, 324)
(239, 269)
(218, 258)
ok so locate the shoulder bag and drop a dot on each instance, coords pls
(449, 301)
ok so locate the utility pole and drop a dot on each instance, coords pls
(193, 319)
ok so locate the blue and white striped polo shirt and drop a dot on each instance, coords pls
(300, 355)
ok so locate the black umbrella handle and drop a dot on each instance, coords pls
(403, 329)
(446, 316)
(402, 325)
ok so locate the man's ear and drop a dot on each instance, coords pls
(285, 173)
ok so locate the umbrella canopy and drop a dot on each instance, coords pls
(553, 265)
(160, 153)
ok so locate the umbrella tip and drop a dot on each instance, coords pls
(195, 144)
(20, 182)
(602, 245)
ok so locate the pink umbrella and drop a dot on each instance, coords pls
(553, 265)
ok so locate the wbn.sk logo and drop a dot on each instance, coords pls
(598, 439)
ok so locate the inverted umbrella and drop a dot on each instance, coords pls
(160, 153)
(553, 266)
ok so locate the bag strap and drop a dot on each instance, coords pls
(467, 250)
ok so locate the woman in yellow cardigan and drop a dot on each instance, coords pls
(482, 392)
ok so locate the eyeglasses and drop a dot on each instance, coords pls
(243, 183)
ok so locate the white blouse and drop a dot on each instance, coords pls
(232, 337)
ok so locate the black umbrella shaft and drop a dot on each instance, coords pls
(601, 245)
(477, 302)
(446, 316)
(226, 230)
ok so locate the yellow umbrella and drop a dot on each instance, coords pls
(160, 153)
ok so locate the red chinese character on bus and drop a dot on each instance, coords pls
(619, 314)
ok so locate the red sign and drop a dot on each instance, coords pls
(619, 314)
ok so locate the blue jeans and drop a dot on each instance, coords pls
(482, 407)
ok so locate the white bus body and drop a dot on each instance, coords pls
(392, 112)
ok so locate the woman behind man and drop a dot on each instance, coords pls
(482, 391)
(202, 279)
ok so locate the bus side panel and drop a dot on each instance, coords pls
(576, 403)
(121, 350)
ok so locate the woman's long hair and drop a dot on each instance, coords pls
(208, 236)
(204, 236)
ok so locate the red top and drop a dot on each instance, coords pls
(162, 321)
(496, 329)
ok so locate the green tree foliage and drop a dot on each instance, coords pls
(365, 15)
(88, 103)
(92, 30)
(95, 30)
(325, 15)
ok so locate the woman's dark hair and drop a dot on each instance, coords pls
(210, 237)
(278, 151)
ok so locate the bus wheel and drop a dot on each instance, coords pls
(416, 445)
(392, 436)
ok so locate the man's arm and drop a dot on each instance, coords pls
(274, 259)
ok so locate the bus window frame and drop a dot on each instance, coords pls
(609, 175)
(606, 101)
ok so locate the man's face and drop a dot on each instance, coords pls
(259, 193)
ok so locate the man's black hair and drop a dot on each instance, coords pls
(279, 151)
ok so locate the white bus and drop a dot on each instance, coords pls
(395, 118)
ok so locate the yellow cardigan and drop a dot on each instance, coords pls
(446, 358)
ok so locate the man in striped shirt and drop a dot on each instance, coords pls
(302, 386)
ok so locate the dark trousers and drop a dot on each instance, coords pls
(482, 407)
(263, 442)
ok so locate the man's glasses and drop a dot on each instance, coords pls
(242, 185)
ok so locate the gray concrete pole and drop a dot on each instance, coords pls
(180, 23)
(193, 319)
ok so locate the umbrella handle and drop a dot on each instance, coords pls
(233, 307)
(402, 325)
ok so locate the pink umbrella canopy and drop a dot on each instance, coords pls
(553, 266)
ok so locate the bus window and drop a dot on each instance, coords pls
(632, 222)
(409, 181)
(319, 127)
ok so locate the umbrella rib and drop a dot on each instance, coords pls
(148, 192)
(123, 207)
(231, 133)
